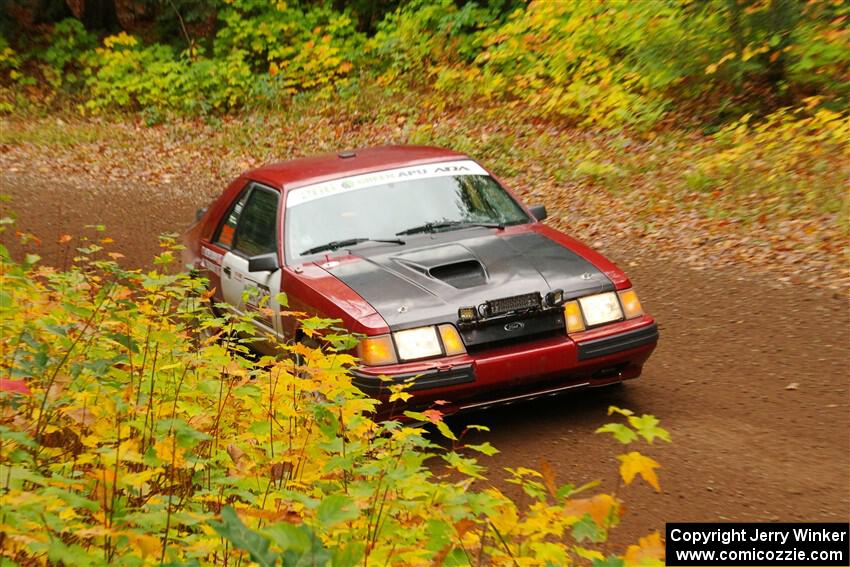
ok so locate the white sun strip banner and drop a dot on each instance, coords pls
(309, 193)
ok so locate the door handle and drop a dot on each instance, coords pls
(227, 271)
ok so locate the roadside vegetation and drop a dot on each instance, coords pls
(135, 431)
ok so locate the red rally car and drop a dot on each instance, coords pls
(456, 286)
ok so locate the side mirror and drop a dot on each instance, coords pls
(200, 213)
(538, 212)
(264, 263)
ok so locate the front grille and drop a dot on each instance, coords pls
(513, 330)
(524, 302)
(514, 341)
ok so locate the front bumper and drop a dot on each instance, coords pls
(597, 357)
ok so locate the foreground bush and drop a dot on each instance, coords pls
(133, 432)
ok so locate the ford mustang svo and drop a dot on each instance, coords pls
(453, 284)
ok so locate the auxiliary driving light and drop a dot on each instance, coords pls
(555, 298)
(466, 314)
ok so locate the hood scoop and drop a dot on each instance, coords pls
(461, 275)
(453, 264)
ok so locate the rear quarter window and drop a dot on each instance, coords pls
(226, 231)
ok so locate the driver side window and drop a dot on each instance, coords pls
(256, 232)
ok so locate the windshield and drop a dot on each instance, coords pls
(384, 205)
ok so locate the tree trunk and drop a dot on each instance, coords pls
(783, 17)
(100, 15)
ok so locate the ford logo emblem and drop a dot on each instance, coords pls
(515, 326)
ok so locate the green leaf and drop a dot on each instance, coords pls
(301, 546)
(282, 299)
(586, 529)
(124, 340)
(464, 465)
(290, 537)
(233, 530)
(416, 416)
(485, 448)
(444, 429)
(620, 432)
(647, 426)
(334, 509)
(611, 561)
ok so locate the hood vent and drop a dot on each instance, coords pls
(452, 264)
(468, 273)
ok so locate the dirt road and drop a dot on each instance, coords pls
(750, 377)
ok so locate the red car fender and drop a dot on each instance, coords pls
(311, 289)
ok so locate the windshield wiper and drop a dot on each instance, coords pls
(336, 244)
(449, 225)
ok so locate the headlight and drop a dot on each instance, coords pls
(412, 344)
(417, 343)
(601, 308)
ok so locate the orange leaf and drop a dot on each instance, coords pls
(433, 415)
(463, 526)
(602, 508)
(649, 550)
(548, 477)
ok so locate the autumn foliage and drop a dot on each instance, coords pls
(135, 430)
(604, 64)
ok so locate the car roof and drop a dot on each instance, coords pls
(316, 169)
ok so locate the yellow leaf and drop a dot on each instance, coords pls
(403, 396)
(138, 479)
(634, 463)
(648, 551)
(167, 452)
(590, 554)
(146, 544)
(505, 518)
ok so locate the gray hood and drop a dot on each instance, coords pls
(427, 284)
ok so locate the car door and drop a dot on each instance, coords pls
(221, 243)
(255, 234)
